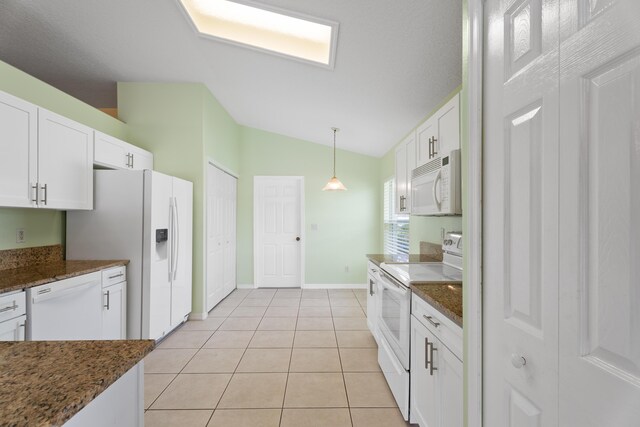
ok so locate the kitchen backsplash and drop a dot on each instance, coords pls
(432, 250)
(15, 258)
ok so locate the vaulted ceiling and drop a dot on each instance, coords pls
(396, 59)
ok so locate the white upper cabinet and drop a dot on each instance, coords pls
(65, 163)
(46, 160)
(405, 164)
(440, 133)
(18, 152)
(114, 153)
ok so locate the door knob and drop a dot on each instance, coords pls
(297, 239)
(518, 361)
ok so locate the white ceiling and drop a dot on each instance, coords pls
(396, 60)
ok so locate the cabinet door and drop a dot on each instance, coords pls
(114, 312)
(410, 144)
(181, 260)
(109, 151)
(451, 388)
(140, 159)
(424, 382)
(13, 330)
(401, 179)
(448, 118)
(18, 152)
(424, 134)
(65, 162)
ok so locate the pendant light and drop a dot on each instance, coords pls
(334, 183)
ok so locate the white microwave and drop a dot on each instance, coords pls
(435, 187)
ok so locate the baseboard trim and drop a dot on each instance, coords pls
(335, 286)
(198, 316)
(245, 286)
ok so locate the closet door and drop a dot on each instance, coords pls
(221, 235)
(229, 222)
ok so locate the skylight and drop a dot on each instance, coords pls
(266, 28)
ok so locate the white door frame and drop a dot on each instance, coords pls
(472, 288)
(209, 161)
(256, 245)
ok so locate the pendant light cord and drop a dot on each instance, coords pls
(334, 151)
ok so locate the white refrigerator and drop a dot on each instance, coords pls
(147, 218)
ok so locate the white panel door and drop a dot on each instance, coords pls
(600, 213)
(181, 259)
(215, 237)
(160, 268)
(13, 329)
(221, 235)
(278, 228)
(520, 214)
(65, 162)
(18, 152)
(229, 226)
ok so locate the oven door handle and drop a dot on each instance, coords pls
(399, 289)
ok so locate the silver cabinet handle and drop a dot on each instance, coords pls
(132, 159)
(426, 353)
(108, 295)
(430, 320)
(13, 307)
(431, 350)
(116, 275)
(402, 203)
(44, 199)
(370, 287)
(35, 193)
(435, 153)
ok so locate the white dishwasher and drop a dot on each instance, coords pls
(69, 309)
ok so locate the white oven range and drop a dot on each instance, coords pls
(394, 313)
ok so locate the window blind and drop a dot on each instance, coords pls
(396, 227)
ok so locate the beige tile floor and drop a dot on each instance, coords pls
(269, 358)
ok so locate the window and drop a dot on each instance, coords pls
(396, 227)
(266, 28)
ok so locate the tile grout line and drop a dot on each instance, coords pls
(344, 381)
(286, 384)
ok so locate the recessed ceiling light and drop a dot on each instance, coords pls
(266, 28)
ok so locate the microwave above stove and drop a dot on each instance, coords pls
(436, 187)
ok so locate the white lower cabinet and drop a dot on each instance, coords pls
(122, 404)
(436, 380)
(13, 316)
(114, 311)
(372, 299)
(14, 329)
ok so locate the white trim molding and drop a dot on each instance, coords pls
(198, 316)
(245, 286)
(473, 219)
(335, 286)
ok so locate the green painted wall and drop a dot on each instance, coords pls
(348, 222)
(221, 134)
(166, 119)
(46, 227)
(421, 228)
(182, 124)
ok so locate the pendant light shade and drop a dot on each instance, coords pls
(334, 183)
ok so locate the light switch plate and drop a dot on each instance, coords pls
(314, 227)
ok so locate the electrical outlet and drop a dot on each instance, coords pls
(442, 232)
(346, 268)
(20, 235)
(314, 227)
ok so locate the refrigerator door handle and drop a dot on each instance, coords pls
(177, 238)
(170, 248)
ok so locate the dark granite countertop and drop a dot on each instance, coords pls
(45, 383)
(15, 279)
(401, 259)
(446, 297)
